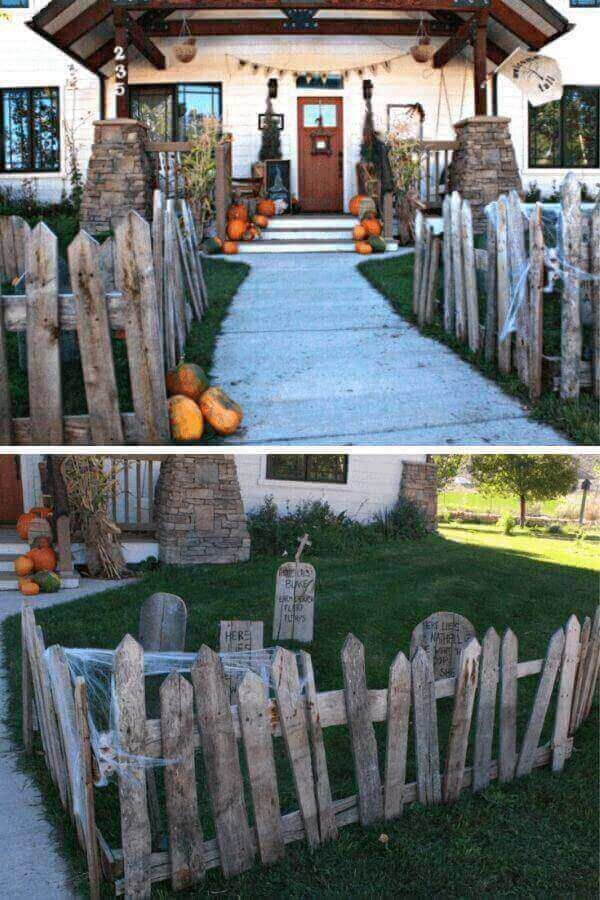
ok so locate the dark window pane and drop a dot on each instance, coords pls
(194, 101)
(14, 4)
(16, 118)
(154, 106)
(590, 3)
(321, 467)
(580, 127)
(46, 150)
(544, 135)
(286, 467)
(332, 82)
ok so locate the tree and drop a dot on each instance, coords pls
(529, 477)
(448, 467)
(270, 147)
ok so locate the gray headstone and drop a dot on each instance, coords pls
(236, 635)
(443, 635)
(163, 622)
(294, 614)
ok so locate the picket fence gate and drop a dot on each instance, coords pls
(515, 245)
(198, 714)
(145, 283)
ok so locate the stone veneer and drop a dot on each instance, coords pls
(198, 511)
(484, 165)
(118, 176)
(418, 483)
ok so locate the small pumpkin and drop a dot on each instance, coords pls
(359, 233)
(363, 248)
(230, 248)
(261, 221)
(29, 588)
(372, 226)
(187, 379)
(377, 243)
(237, 211)
(355, 202)
(212, 245)
(44, 559)
(25, 520)
(236, 229)
(48, 582)
(185, 418)
(23, 566)
(220, 411)
(266, 208)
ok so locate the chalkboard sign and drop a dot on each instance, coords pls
(278, 180)
(443, 635)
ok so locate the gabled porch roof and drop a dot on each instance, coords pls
(85, 29)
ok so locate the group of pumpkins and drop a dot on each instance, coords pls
(240, 228)
(192, 403)
(367, 235)
(36, 569)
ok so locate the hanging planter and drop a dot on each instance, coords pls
(185, 48)
(422, 51)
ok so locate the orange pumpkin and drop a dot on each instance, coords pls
(261, 221)
(230, 248)
(44, 559)
(220, 411)
(372, 227)
(266, 208)
(185, 418)
(29, 588)
(237, 211)
(236, 229)
(363, 248)
(187, 379)
(354, 206)
(23, 566)
(41, 542)
(42, 512)
(24, 520)
(251, 232)
(359, 233)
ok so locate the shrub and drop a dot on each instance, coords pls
(554, 529)
(507, 523)
(403, 520)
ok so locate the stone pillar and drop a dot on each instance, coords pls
(118, 175)
(418, 483)
(484, 165)
(198, 511)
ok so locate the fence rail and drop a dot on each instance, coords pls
(198, 714)
(433, 179)
(131, 505)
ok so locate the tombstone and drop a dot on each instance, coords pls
(163, 622)
(236, 635)
(294, 602)
(443, 635)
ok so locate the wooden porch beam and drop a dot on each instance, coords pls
(104, 53)
(146, 47)
(495, 53)
(391, 5)
(457, 42)
(122, 63)
(262, 27)
(480, 64)
(519, 26)
(83, 23)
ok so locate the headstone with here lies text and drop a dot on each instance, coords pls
(442, 635)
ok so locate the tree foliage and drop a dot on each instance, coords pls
(448, 467)
(527, 476)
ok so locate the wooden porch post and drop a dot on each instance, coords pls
(121, 67)
(479, 62)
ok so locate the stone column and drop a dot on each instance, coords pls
(418, 483)
(118, 176)
(198, 511)
(484, 165)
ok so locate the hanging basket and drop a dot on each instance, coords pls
(422, 52)
(185, 50)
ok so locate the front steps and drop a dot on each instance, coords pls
(308, 234)
(9, 580)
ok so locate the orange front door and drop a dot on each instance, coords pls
(320, 154)
(11, 490)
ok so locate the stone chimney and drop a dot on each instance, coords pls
(418, 483)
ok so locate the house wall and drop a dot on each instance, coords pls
(27, 60)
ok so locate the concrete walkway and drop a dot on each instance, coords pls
(316, 355)
(31, 866)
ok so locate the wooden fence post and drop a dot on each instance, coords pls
(418, 263)
(43, 331)
(594, 295)
(565, 694)
(518, 282)
(434, 265)
(460, 317)
(536, 301)
(491, 314)
(6, 429)
(584, 640)
(398, 707)
(470, 277)
(221, 189)
(425, 274)
(130, 702)
(486, 710)
(425, 729)
(134, 263)
(388, 215)
(590, 674)
(88, 816)
(26, 689)
(362, 733)
(502, 281)
(449, 309)
(570, 196)
(158, 255)
(509, 658)
(462, 713)
(541, 703)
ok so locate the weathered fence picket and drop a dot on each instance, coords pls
(88, 814)
(449, 302)
(536, 301)
(486, 710)
(507, 757)
(491, 312)
(565, 693)
(579, 677)
(541, 703)
(455, 236)
(398, 703)
(570, 195)
(594, 295)
(462, 712)
(425, 729)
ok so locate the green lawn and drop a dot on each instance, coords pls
(535, 838)
(222, 281)
(578, 419)
(474, 501)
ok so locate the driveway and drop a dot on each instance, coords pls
(316, 355)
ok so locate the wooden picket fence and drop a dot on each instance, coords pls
(145, 283)
(515, 245)
(198, 714)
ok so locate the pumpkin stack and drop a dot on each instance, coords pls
(192, 403)
(367, 235)
(36, 569)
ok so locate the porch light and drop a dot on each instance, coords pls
(273, 85)
(367, 89)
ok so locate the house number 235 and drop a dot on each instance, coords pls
(120, 70)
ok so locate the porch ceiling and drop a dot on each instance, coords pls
(85, 29)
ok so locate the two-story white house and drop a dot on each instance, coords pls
(58, 75)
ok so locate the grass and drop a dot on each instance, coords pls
(538, 837)
(222, 282)
(475, 501)
(578, 419)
